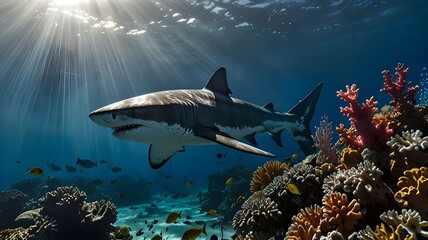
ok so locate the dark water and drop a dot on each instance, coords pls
(58, 62)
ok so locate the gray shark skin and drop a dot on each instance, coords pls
(170, 120)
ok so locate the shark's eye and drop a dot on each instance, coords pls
(113, 116)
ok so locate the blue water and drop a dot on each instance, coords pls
(58, 62)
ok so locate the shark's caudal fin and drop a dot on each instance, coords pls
(303, 112)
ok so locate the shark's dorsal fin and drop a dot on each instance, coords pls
(269, 106)
(218, 82)
(159, 154)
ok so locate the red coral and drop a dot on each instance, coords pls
(370, 135)
(402, 98)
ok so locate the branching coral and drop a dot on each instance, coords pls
(413, 191)
(99, 215)
(402, 95)
(340, 213)
(409, 141)
(323, 141)
(364, 132)
(11, 205)
(258, 214)
(258, 235)
(307, 223)
(407, 225)
(264, 175)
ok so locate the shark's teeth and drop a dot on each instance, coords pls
(125, 127)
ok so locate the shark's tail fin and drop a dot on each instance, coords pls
(303, 112)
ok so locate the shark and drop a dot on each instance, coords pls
(170, 120)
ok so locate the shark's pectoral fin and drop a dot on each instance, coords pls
(215, 135)
(160, 154)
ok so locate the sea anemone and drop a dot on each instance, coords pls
(264, 174)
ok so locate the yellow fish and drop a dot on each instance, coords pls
(294, 189)
(173, 216)
(229, 181)
(193, 232)
(123, 231)
(294, 156)
(157, 237)
(212, 212)
(35, 171)
(189, 184)
(240, 199)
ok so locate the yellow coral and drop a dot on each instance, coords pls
(264, 175)
(413, 191)
(385, 232)
(307, 223)
(350, 158)
(340, 213)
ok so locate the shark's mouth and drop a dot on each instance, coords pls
(124, 128)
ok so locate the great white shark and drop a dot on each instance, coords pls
(170, 120)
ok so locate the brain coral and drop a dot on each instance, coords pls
(413, 191)
(264, 174)
(258, 213)
(340, 213)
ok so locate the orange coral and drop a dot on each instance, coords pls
(340, 213)
(413, 191)
(307, 223)
(264, 175)
(350, 158)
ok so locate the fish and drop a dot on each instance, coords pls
(219, 155)
(167, 176)
(187, 222)
(188, 217)
(169, 120)
(145, 221)
(103, 161)
(294, 189)
(116, 169)
(173, 216)
(86, 163)
(114, 181)
(124, 231)
(193, 232)
(139, 232)
(97, 181)
(212, 212)
(54, 167)
(70, 169)
(157, 237)
(166, 229)
(19, 162)
(189, 184)
(121, 195)
(229, 181)
(293, 156)
(155, 221)
(200, 222)
(150, 227)
(240, 199)
(35, 171)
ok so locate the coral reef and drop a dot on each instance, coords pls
(379, 174)
(264, 175)
(12, 203)
(66, 215)
(413, 190)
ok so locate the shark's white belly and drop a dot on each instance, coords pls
(163, 133)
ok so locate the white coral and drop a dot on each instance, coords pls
(409, 141)
(409, 219)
